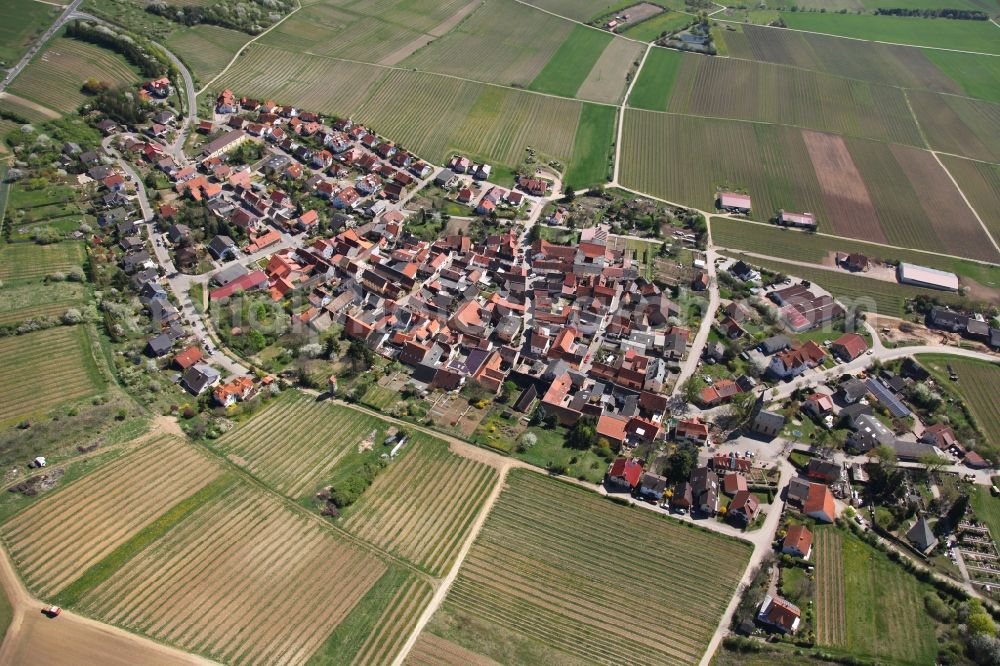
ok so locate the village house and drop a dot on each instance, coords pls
(744, 509)
(624, 475)
(780, 614)
(797, 542)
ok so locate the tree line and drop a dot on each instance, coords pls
(250, 17)
(150, 61)
(957, 14)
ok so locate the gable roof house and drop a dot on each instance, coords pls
(766, 423)
(682, 496)
(798, 542)
(849, 346)
(793, 362)
(819, 503)
(705, 491)
(824, 470)
(624, 475)
(652, 487)
(780, 613)
(199, 377)
(744, 508)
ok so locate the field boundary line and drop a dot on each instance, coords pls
(194, 103)
(861, 39)
(396, 68)
(967, 202)
(586, 25)
(621, 115)
(445, 584)
(709, 214)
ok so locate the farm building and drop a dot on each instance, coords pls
(921, 276)
(732, 202)
(801, 220)
(224, 144)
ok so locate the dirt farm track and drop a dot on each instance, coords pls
(72, 640)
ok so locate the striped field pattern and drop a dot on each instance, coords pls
(831, 624)
(52, 366)
(395, 624)
(27, 261)
(57, 539)
(54, 78)
(559, 566)
(422, 506)
(296, 442)
(242, 580)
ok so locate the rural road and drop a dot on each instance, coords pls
(707, 318)
(71, 639)
(38, 44)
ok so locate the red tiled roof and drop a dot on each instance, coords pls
(800, 538)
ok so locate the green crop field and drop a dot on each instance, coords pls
(781, 243)
(54, 77)
(977, 76)
(886, 617)
(21, 262)
(27, 301)
(656, 79)
(501, 42)
(592, 146)
(739, 89)
(987, 508)
(879, 296)
(30, 111)
(287, 579)
(958, 125)
(652, 28)
(21, 22)
(53, 366)
(547, 579)
(421, 508)
(206, 49)
(296, 442)
(570, 65)
(916, 203)
(866, 61)
(444, 114)
(942, 33)
(769, 161)
(376, 31)
(975, 386)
